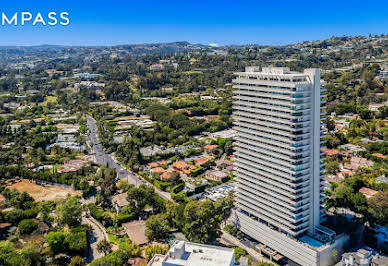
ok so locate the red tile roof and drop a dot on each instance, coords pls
(330, 152)
(202, 160)
(211, 147)
(158, 170)
(379, 155)
(368, 192)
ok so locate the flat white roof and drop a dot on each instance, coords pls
(197, 254)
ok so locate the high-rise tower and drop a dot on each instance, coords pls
(278, 115)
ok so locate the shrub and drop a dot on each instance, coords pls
(76, 241)
(56, 241)
(197, 171)
(96, 212)
(27, 226)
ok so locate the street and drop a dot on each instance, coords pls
(97, 235)
(107, 160)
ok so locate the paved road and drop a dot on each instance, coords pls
(97, 235)
(108, 160)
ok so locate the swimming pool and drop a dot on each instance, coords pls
(311, 241)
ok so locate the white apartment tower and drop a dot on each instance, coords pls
(278, 116)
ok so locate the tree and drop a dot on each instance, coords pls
(45, 209)
(69, 212)
(334, 252)
(195, 228)
(10, 256)
(77, 261)
(142, 196)
(76, 241)
(27, 226)
(56, 241)
(238, 253)
(378, 207)
(104, 246)
(151, 250)
(157, 227)
(332, 166)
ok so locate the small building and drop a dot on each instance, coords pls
(218, 192)
(352, 148)
(72, 166)
(367, 192)
(184, 253)
(119, 201)
(167, 174)
(136, 232)
(203, 160)
(216, 175)
(211, 148)
(363, 257)
(157, 170)
(330, 152)
(183, 167)
(2, 199)
(379, 155)
(382, 179)
(157, 67)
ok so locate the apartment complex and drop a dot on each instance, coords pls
(278, 116)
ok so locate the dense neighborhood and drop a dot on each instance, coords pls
(125, 155)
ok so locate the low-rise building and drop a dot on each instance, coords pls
(157, 67)
(203, 160)
(72, 166)
(2, 199)
(352, 148)
(226, 134)
(382, 179)
(218, 192)
(330, 152)
(368, 192)
(136, 232)
(379, 155)
(216, 175)
(184, 253)
(363, 257)
(210, 148)
(120, 201)
(183, 167)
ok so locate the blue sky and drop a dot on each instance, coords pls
(223, 22)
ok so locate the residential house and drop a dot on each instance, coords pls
(216, 175)
(183, 167)
(157, 170)
(367, 192)
(72, 166)
(203, 160)
(330, 152)
(382, 179)
(136, 232)
(211, 148)
(380, 155)
(120, 201)
(363, 257)
(2, 199)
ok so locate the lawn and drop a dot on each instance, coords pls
(49, 99)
